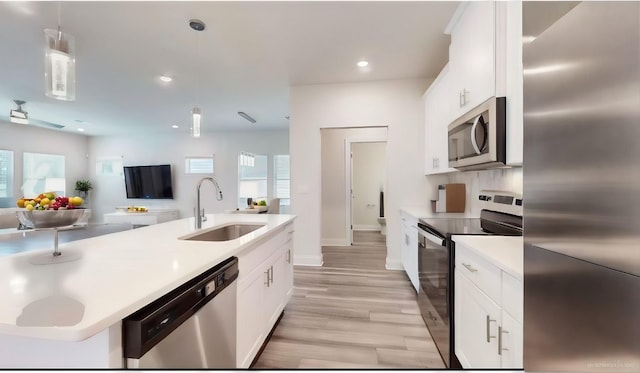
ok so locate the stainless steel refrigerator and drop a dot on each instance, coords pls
(582, 186)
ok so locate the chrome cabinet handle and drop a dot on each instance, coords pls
(289, 256)
(406, 239)
(271, 270)
(500, 348)
(469, 268)
(489, 336)
(267, 273)
(474, 141)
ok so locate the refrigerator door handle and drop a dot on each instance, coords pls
(489, 321)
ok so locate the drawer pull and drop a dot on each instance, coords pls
(500, 348)
(268, 283)
(469, 267)
(489, 336)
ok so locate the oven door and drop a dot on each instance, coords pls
(433, 297)
(477, 139)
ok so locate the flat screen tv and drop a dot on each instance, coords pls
(149, 182)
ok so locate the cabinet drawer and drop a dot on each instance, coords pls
(251, 258)
(512, 296)
(486, 276)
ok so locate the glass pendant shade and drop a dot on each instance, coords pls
(60, 65)
(196, 116)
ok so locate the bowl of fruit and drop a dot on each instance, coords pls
(50, 211)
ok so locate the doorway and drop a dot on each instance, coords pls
(367, 178)
(336, 199)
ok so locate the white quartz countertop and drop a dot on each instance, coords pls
(417, 211)
(506, 252)
(118, 274)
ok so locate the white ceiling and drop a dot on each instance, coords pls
(246, 59)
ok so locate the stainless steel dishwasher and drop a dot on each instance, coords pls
(193, 326)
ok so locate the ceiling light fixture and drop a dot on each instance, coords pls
(196, 112)
(196, 118)
(18, 115)
(175, 126)
(246, 116)
(81, 129)
(60, 63)
(363, 63)
(166, 78)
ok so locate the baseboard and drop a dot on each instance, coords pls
(366, 227)
(394, 265)
(308, 260)
(334, 242)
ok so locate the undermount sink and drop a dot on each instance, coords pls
(225, 233)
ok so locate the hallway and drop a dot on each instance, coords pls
(351, 313)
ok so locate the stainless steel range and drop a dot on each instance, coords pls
(501, 215)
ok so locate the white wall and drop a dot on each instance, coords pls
(509, 179)
(333, 189)
(32, 139)
(109, 191)
(369, 179)
(396, 104)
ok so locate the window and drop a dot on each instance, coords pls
(252, 181)
(43, 173)
(282, 180)
(6, 178)
(198, 165)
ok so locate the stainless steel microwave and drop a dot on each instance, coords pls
(477, 140)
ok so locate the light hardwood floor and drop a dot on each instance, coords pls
(351, 313)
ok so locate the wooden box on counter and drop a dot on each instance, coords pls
(451, 198)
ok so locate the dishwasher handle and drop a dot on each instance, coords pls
(148, 326)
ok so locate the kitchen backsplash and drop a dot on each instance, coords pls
(509, 179)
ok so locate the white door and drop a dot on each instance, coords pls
(510, 343)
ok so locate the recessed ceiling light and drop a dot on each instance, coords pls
(166, 78)
(363, 63)
(81, 129)
(175, 126)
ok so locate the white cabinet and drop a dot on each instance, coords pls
(265, 285)
(476, 318)
(488, 318)
(485, 60)
(409, 252)
(472, 56)
(437, 118)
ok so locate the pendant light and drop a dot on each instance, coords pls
(196, 112)
(60, 63)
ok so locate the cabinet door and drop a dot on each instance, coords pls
(438, 115)
(409, 246)
(476, 326)
(472, 56)
(510, 343)
(274, 289)
(288, 274)
(250, 320)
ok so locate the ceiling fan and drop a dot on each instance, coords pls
(20, 116)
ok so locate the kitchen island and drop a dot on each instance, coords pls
(69, 314)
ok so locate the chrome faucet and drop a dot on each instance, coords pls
(200, 214)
